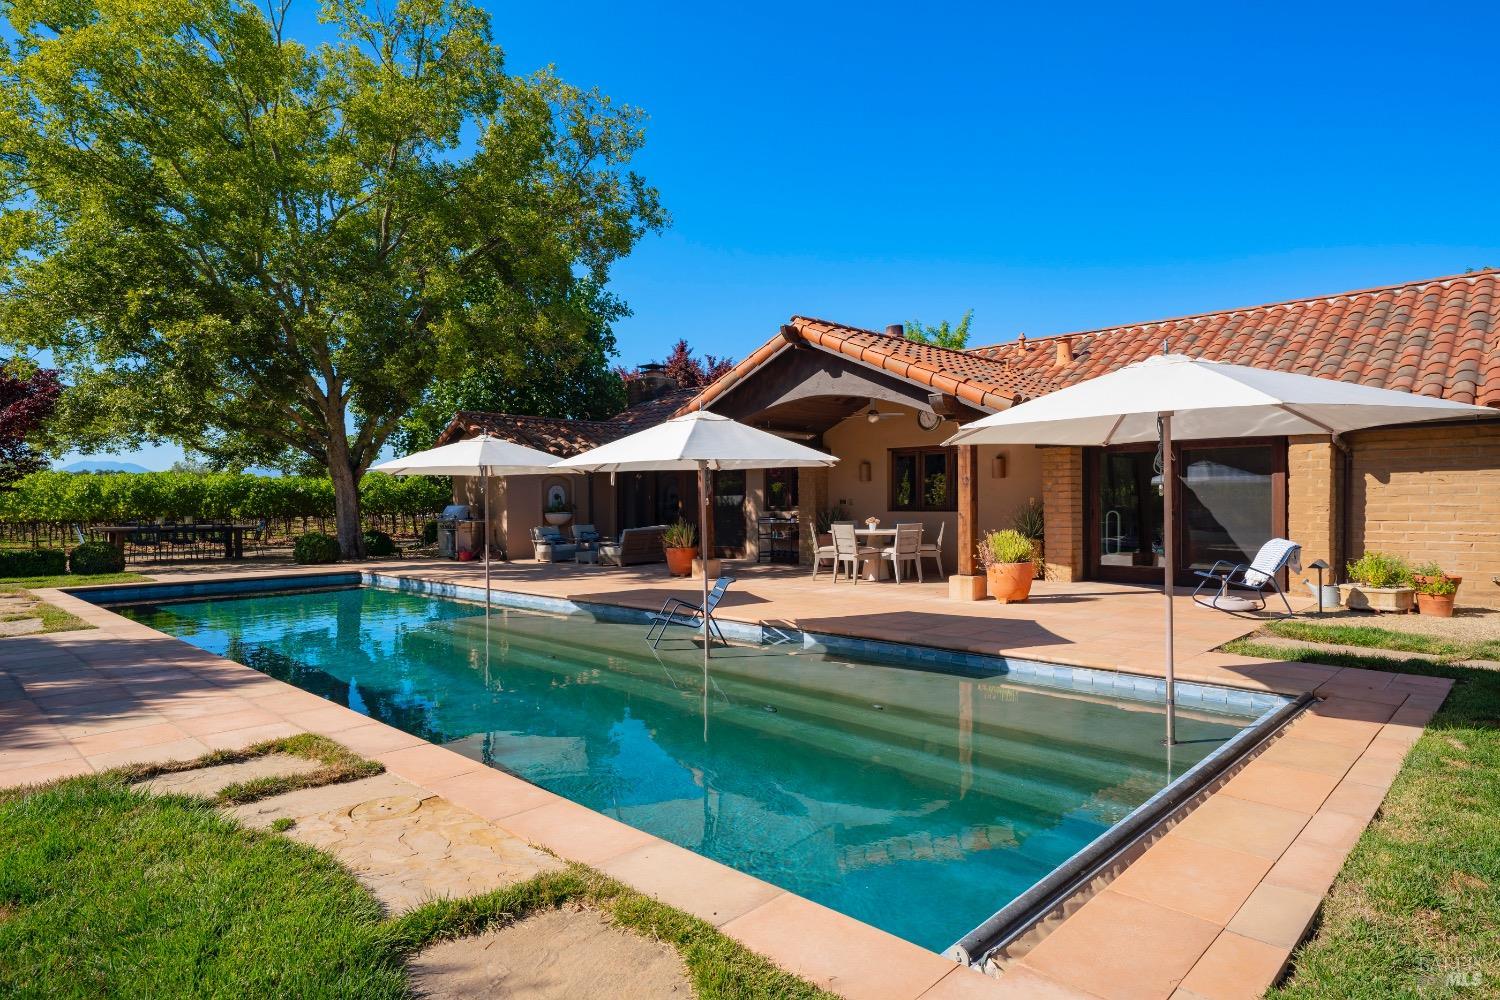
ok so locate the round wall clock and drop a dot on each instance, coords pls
(928, 420)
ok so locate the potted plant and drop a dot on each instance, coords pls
(1378, 581)
(680, 543)
(1435, 590)
(872, 523)
(558, 513)
(1008, 568)
(1029, 524)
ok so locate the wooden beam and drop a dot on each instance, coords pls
(968, 508)
(790, 334)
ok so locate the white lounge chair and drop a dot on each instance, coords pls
(1256, 576)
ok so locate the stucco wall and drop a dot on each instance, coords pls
(517, 503)
(857, 440)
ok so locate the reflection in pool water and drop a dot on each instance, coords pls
(917, 801)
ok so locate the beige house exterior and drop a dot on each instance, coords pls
(884, 405)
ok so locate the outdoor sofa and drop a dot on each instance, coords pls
(635, 545)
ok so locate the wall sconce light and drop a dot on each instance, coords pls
(866, 473)
(997, 467)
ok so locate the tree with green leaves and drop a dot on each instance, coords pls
(265, 251)
(954, 336)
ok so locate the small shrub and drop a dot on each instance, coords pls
(379, 544)
(96, 557)
(429, 533)
(1028, 521)
(559, 506)
(825, 518)
(1008, 546)
(316, 547)
(680, 535)
(1380, 569)
(33, 562)
(1437, 586)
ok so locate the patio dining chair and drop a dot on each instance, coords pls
(1257, 577)
(906, 549)
(829, 554)
(676, 611)
(848, 552)
(934, 550)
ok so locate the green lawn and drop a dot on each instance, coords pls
(1382, 638)
(9, 583)
(110, 891)
(55, 619)
(1415, 910)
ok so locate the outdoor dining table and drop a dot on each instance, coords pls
(234, 534)
(878, 538)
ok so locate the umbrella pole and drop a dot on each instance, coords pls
(1168, 484)
(484, 488)
(703, 514)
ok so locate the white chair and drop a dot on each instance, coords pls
(848, 551)
(825, 553)
(907, 549)
(934, 550)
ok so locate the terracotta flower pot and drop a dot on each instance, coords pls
(680, 560)
(1010, 582)
(1435, 605)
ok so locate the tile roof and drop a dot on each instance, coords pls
(562, 436)
(983, 382)
(1435, 338)
(556, 435)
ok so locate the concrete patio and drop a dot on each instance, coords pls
(1212, 909)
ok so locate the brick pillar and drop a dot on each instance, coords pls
(755, 506)
(1063, 510)
(812, 496)
(1313, 470)
(968, 584)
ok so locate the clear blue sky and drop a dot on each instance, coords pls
(1053, 168)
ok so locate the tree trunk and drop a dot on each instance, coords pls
(345, 499)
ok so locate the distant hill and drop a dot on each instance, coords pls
(96, 465)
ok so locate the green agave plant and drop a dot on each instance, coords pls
(680, 535)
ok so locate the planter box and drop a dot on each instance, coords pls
(1358, 597)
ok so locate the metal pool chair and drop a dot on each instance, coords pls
(676, 611)
(1257, 576)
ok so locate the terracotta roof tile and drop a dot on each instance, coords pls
(1435, 337)
(561, 436)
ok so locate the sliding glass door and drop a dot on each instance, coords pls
(1231, 498)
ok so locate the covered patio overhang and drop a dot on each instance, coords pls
(804, 392)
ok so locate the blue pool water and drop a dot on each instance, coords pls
(917, 801)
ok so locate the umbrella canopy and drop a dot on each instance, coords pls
(699, 440)
(1175, 396)
(683, 442)
(1208, 399)
(482, 454)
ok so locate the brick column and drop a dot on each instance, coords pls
(812, 496)
(1313, 470)
(1063, 510)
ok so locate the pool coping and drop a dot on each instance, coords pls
(1090, 947)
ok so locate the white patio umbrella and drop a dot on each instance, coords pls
(700, 441)
(1177, 396)
(483, 456)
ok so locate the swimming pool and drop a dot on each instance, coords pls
(916, 800)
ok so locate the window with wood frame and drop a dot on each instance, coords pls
(924, 479)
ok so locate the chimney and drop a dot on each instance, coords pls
(1064, 351)
(1021, 343)
(895, 330)
(651, 380)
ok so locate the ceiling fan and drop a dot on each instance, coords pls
(874, 416)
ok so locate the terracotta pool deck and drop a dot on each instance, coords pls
(1211, 909)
